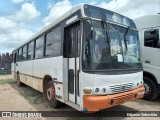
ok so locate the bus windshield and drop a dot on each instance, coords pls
(100, 13)
(107, 46)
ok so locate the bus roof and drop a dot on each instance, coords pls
(147, 21)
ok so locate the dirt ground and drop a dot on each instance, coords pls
(14, 98)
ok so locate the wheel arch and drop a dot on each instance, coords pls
(151, 76)
(46, 79)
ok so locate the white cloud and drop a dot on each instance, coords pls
(57, 10)
(28, 11)
(6, 25)
(12, 34)
(17, 1)
(132, 8)
(14, 29)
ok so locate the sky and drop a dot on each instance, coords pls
(20, 19)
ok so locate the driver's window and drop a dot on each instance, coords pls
(151, 38)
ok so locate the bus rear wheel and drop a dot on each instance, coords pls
(51, 96)
(151, 92)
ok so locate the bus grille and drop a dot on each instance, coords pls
(125, 98)
(121, 88)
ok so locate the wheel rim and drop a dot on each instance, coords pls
(50, 93)
(147, 89)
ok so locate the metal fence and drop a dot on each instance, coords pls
(5, 68)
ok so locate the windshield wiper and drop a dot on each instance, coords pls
(126, 38)
(105, 32)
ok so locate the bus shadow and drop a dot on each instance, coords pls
(157, 99)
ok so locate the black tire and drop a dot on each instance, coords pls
(51, 96)
(152, 93)
(19, 83)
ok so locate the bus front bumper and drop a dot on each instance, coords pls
(93, 103)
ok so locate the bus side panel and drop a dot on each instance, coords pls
(152, 55)
(26, 72)
(49, 66)
(26, 67)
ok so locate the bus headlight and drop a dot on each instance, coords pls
(139, 83)
(87, 90)
(142, 82)
(96, 90)
(104, 90)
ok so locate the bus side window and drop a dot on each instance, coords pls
(48, 44)
(53, 42)
(24, 55)
(39, 47)
(30, 50)
(151, 38)
(56, 41)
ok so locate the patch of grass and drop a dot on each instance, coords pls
(38, 100)
(30, 94)
(5, 73)
(7, 81)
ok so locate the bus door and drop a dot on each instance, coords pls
(72, 45)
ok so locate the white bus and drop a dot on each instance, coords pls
(89, 59)
(149, 34)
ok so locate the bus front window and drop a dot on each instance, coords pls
(131, 53)
(105, 47)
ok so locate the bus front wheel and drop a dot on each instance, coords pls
(150, 89)
(51, 95)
